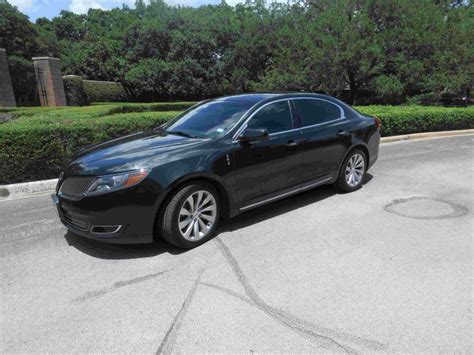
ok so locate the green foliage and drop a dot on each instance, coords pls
(40, 141)
(38, 144)
(104, 91)
(397, 120)
(17, 34)
(19, 37)
(147, 79)
(66, 115)
(22, 73)
(162, 107)
(74, 89)
(363, 51)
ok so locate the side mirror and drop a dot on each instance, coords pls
(254, 135)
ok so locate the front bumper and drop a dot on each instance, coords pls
(118, 217)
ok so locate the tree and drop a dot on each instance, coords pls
(19, 37)
(364, 51)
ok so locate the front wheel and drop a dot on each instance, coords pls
(191, 216)
(352, 173)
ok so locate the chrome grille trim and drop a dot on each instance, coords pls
(74, 187)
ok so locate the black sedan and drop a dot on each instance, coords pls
(215, 160)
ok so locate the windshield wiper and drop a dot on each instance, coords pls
(181, 133)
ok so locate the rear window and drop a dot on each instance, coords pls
(314, 112)
(332, 110)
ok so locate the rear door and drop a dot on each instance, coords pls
(325, 138)
(266, 167)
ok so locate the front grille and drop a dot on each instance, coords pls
(75, 187)
(74, 222)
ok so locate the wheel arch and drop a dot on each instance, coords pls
(360, 146)
(224, 193)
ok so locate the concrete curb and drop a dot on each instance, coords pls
(14, 191)
(426, 135)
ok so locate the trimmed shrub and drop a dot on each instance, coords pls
(37, 150)
(165, 106)
(398, 120)
(74, 90)
(104, 91)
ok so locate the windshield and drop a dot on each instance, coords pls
(211, 119)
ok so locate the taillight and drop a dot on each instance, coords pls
(378, 123)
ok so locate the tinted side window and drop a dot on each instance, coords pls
(274, 117)
(333, 111)
(311, 111)
(316, 111)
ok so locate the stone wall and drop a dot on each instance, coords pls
(7, 98)
(49, 81)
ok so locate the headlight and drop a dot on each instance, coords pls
(109, 183)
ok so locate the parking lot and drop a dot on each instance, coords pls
(385, 269)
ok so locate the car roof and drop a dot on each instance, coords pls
(248, 98)
(254, 98)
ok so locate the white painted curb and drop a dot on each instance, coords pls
(24, 189)
(426, 135)
(8, 192)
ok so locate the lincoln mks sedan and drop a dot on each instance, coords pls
(217, 159)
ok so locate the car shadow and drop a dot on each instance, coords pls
(103, 250)
(282, 206)
(277, 208)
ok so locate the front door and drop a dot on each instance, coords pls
(269, 166)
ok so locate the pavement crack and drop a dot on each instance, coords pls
(116, 285)
(229, 292)
(168, 341)
(322, 335)
(119, 284)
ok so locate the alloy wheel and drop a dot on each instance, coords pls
(197, 215)
(355, 169)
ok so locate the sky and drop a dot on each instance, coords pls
(50, 8)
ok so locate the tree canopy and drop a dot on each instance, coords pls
(364, 51)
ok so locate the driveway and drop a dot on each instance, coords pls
(385, 269)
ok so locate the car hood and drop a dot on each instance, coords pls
(126, 153)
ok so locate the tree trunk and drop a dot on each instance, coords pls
(352, 87)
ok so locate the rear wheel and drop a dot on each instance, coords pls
(352, 173)
(191, 216)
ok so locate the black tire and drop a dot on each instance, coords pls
(169, 223)
(341, 184)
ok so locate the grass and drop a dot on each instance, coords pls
(54, 115)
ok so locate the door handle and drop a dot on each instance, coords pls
(292, 144)
(341, 133)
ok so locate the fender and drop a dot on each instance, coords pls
(224, 190)
(356, 144)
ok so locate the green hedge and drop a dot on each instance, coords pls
(37, 150)
(398, 120)
(41, 140)
(74, 90)
(105, 91)
(162, 106)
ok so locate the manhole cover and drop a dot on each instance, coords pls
(425, 208)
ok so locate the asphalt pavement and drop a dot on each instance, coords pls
(388, 268)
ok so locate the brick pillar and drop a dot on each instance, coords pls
(49, 81)
(7, 98)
